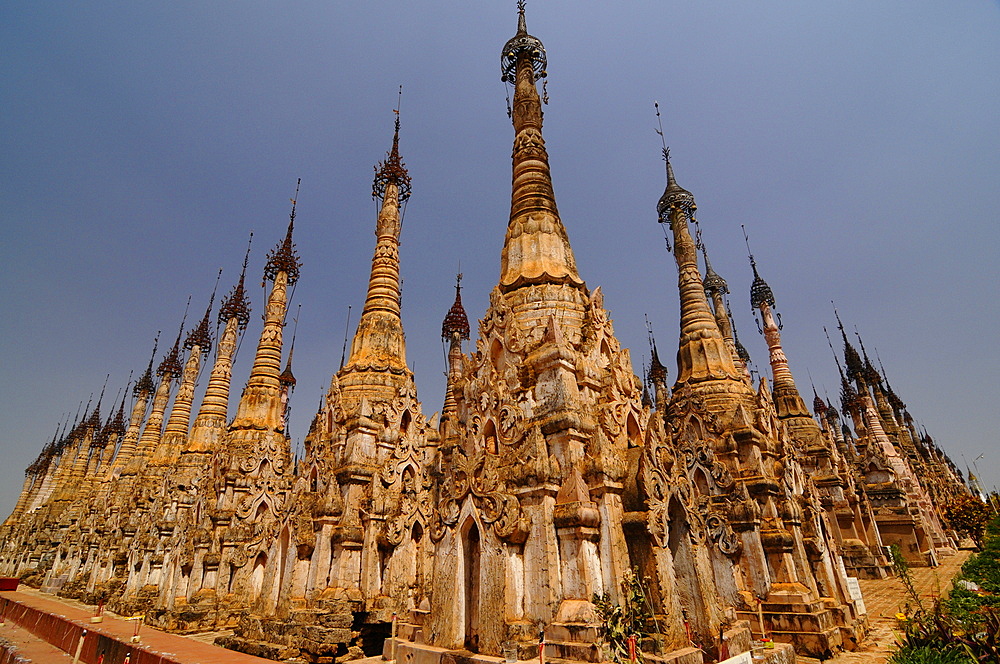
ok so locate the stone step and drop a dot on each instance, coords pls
(579, 651)
(571, 632)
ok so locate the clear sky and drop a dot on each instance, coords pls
(141, 142)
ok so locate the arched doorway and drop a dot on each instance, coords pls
(471, 549)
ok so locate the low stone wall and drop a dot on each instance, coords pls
(65, 635)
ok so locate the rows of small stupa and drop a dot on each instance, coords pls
(553, 476)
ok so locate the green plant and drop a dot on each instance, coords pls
(902, 570)
(929, 655)
(619, 621)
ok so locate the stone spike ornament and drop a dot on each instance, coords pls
(536, 249)
(260, 406)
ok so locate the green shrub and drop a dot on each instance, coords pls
(930, 655)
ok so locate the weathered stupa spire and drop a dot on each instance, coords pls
(717, 289)
(260, 406)
(198, 344)
(454, 330)
(702, 354)
(536, 249)
(142, 390)
(787, 401)
(170, 368)
(379, 344)
(234, 314)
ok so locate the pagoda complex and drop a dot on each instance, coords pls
(552, 481)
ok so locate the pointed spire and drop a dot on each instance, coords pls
(703, 354)
(284, 257)
(456, 322)
(454, 330)
(674, 195)
(201, 336)
(287, 378)
(237, 304)
(819, 406)
(379, 343)
(145, 382)
(741, 350)
(872, 376)
(536, 247)
(657, 372)
(171, 364)
(260, 407)
(392, 170)
(855, 368)
(848, 397)
(712, 281)
(760, 292)
(522, 43)
(116, 425)
(94, 421)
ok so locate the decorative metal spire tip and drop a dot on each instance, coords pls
(760, 292)
(456, 322)
(171, 364)
(284, 258)
(237, 304)
(522, 45)
(201, 336)
(392, 170)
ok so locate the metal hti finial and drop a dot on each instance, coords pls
(674, 196)
(456, 321)
(760, 292)
(201, 336)
(237, 304)
(284, 258)
(392, 170)
(522, 43)
(171, 363)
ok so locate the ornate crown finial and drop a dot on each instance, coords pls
(237, 304)
(674, 196)
(171, 363)
(284, 257)
(712, 281)
(522, 43)
(855, 367)
(456, 322)
(760, 292)
(741, 351)
(145, 382)
(201, 336)
(392, 170)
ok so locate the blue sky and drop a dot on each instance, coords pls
(141, 142)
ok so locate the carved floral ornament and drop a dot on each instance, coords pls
(475, 477)
(707, 515)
